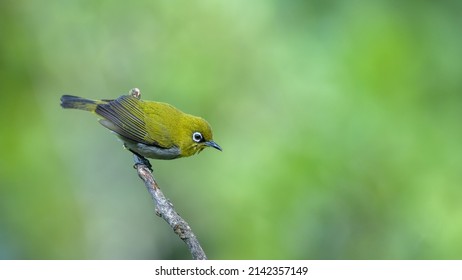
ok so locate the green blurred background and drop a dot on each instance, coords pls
(340, 123)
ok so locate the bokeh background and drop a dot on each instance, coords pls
(340, 123)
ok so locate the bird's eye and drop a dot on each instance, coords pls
(197, 137)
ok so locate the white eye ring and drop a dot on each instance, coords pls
(197, 137)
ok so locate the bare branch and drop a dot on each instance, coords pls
(164, 208)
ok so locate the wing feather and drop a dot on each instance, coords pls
(125, 117)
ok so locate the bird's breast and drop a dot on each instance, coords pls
(154, 152)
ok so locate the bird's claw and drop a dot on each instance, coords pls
(140, 160)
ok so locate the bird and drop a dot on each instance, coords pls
(148, 129)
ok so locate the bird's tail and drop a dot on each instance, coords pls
(75, 102)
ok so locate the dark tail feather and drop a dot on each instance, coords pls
(75, 102)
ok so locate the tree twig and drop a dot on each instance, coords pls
(164, 208)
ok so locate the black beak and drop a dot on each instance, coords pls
(213, 145)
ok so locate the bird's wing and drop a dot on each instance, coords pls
(125, 117)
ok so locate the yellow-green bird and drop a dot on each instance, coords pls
(148, 129)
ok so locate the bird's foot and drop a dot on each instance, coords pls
(140, 160)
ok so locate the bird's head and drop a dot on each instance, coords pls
(196, 135)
